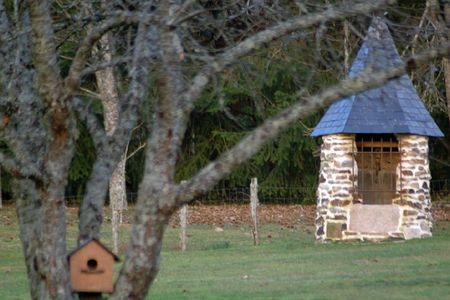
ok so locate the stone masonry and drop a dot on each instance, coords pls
(337, 197)
(414, 187)
(337, 184)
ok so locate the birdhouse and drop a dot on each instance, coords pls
(91, 268)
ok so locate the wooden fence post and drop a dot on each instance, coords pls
(254, 203)
(183, 225)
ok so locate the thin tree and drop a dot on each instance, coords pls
(107, 86)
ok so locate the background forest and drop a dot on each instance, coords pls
(262, 85)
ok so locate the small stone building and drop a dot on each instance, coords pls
(374, 174)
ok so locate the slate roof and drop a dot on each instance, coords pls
(392, 108)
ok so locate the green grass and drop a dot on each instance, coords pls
(288, 264)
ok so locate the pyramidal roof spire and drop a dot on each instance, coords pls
(393, 108)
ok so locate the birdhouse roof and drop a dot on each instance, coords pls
(393, 108)
(76, 250)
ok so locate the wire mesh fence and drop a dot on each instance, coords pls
(241, 195)
(439, 189)
(266, 195)
(235, 195)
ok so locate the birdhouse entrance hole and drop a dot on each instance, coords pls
(378, 165)
(92, 264)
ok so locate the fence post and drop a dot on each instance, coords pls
(183, 225)
(183, 214)
(254, 203)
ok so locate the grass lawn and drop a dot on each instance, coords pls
(288, 264)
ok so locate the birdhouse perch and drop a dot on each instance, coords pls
(92, 268)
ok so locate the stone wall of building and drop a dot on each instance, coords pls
(414, 187)
(337, 193)
(337, 183)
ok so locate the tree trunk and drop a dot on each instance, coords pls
(41, 213)
(45, 130)
(28, 206)
(142, 262)
(446, 64)
(107, 86)
(117, 198)
(42, 232)
(109, 155)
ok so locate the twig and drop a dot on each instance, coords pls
(141, 146)
(90, 93)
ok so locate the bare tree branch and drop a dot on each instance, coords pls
(165, 140)
(182, 9)
(413, 43)
(199, 82)
(85, 49)
(5, 28)
(111, 152)
(5, 44)
(90, 93)
(213, 172)
(139, 148)
(14, 166)
(230, 56)
(101, 66)
(179, 20)
(44, 56)
(95, 128)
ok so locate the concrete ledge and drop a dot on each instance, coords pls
(375, 219)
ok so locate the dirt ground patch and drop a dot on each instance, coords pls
(232, 214)
(441, 213)
(285, 215)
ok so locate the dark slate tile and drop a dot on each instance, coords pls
(393, 108)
